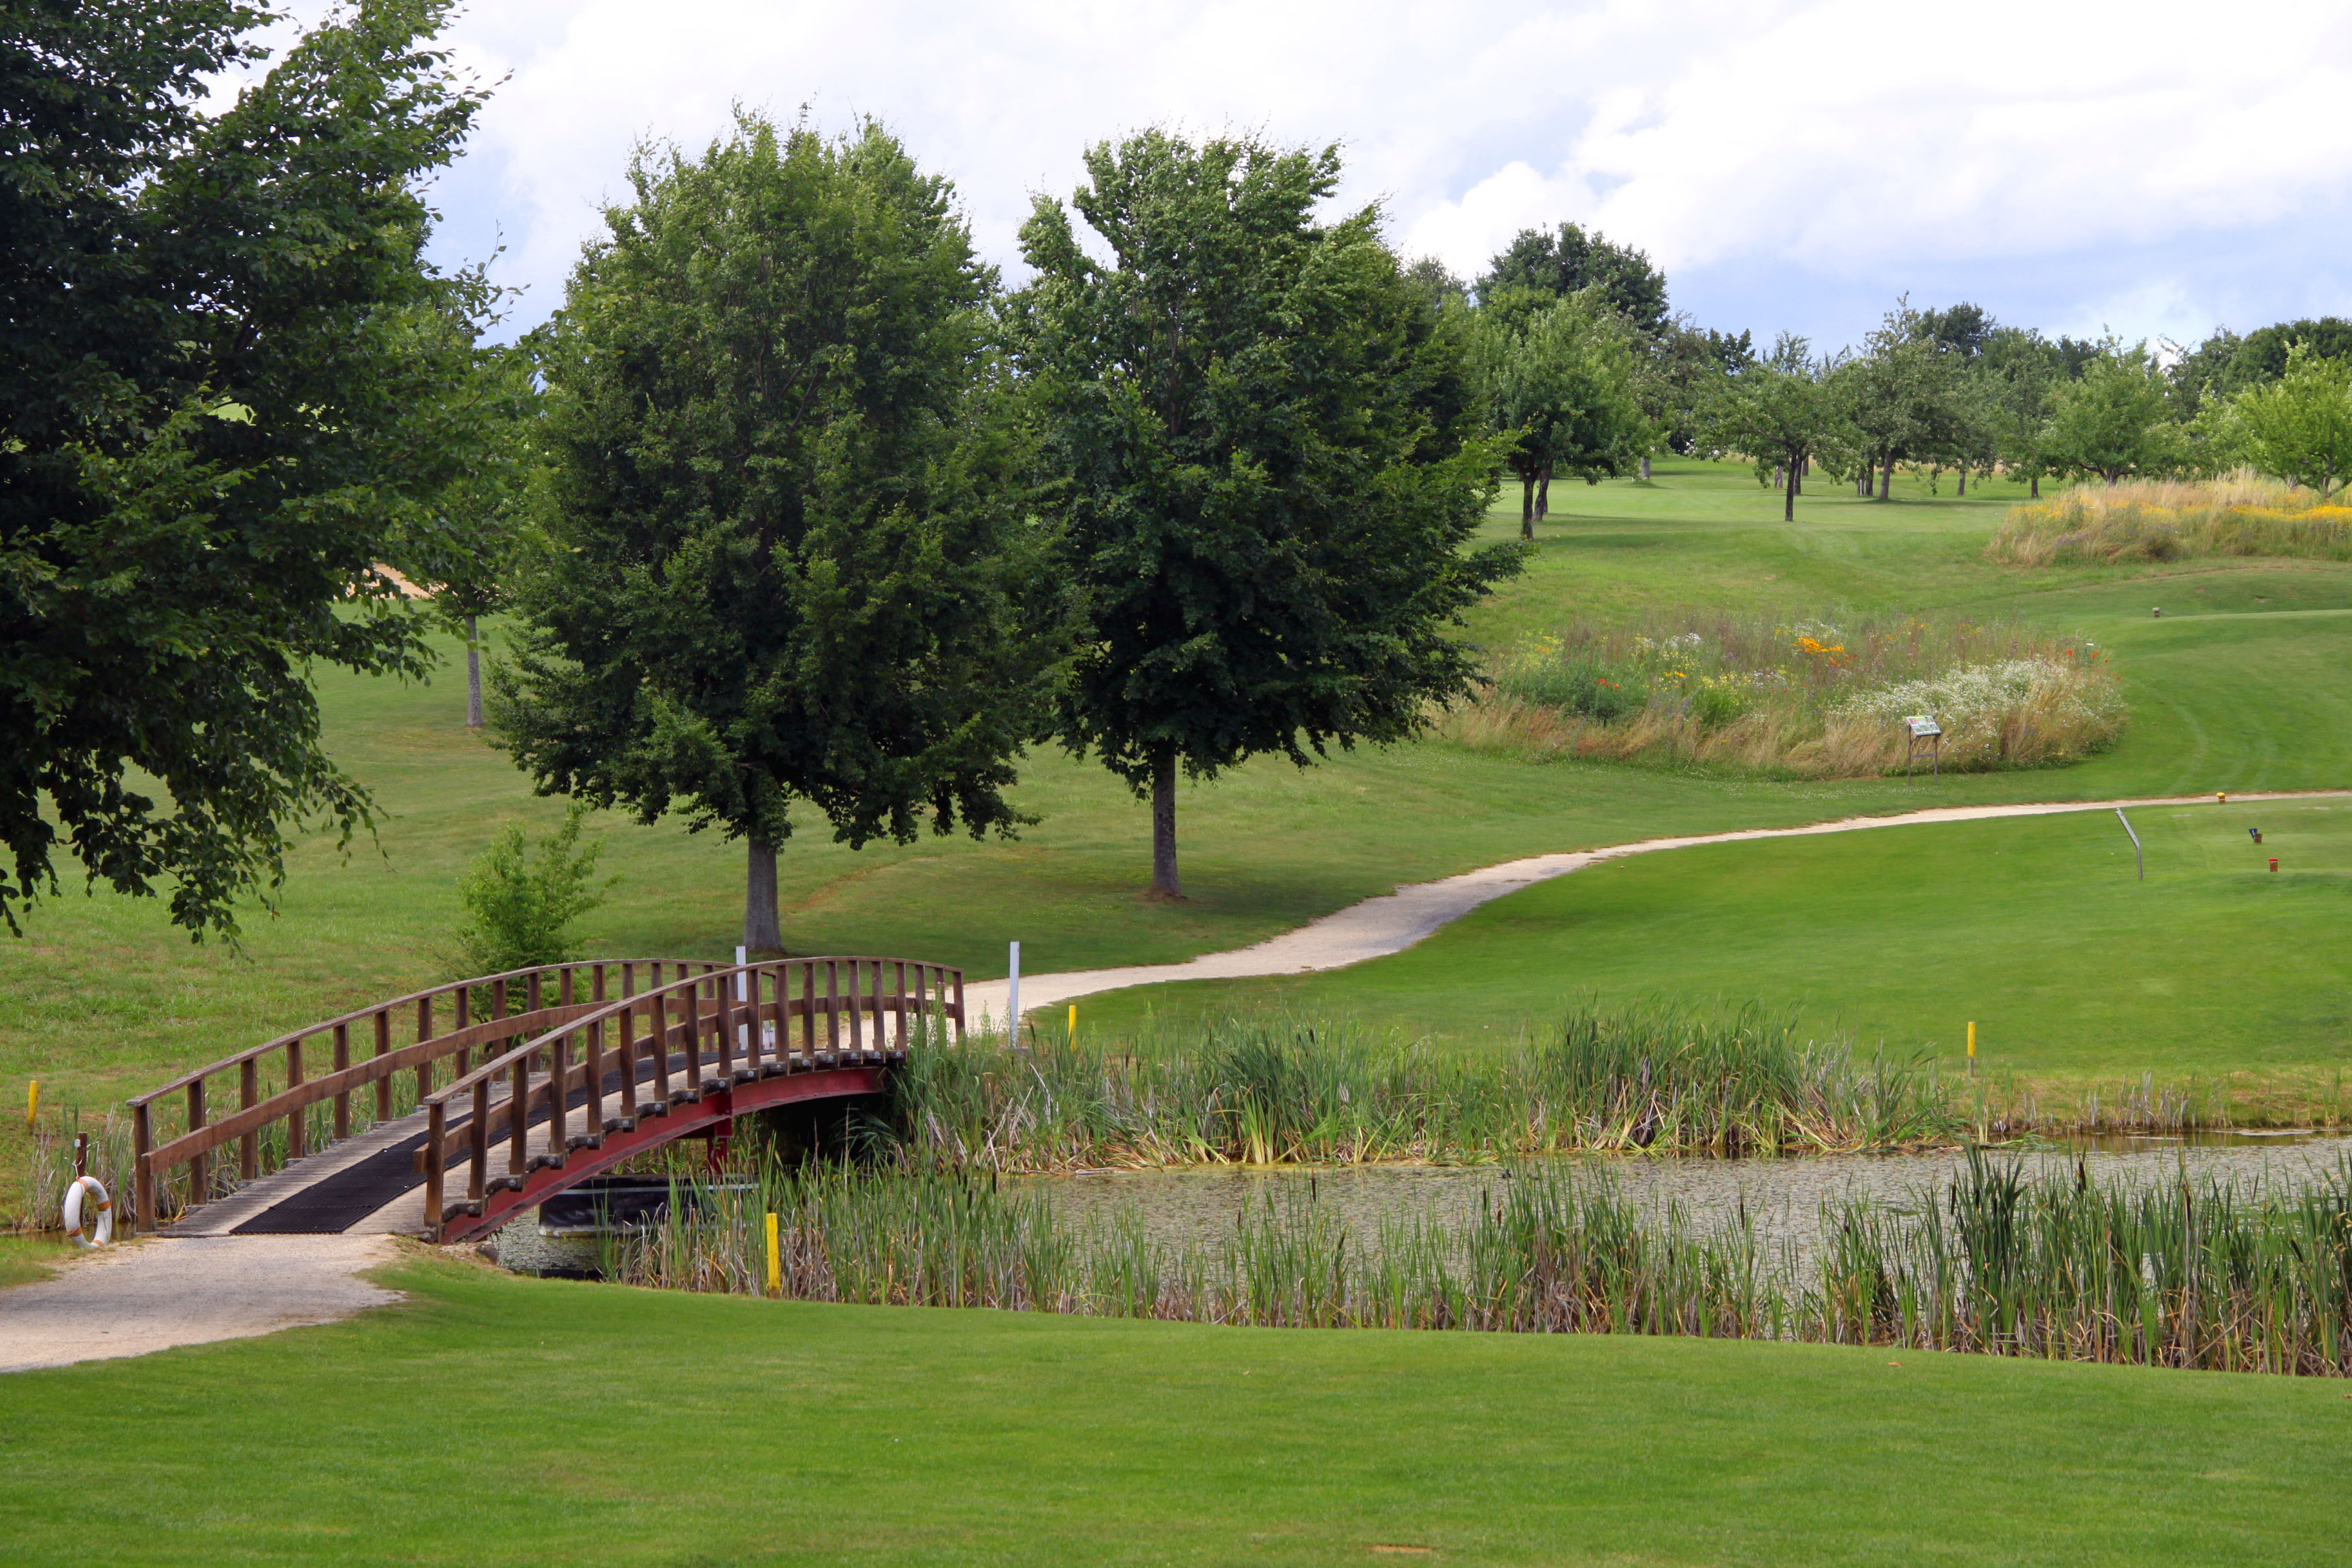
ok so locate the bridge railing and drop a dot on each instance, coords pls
(675, 1043)
(276, 1081)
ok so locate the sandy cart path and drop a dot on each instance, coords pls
(1379, 926)
(162, 1291)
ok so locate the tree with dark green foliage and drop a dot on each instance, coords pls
(2263, 356)
(1569, 262)
(234, 391)
(789, 552)
(1268, 467)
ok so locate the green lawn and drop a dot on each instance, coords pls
(2241, 686)
(2037, 929)
(593, 1424)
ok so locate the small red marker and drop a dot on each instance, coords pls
(2273, 862)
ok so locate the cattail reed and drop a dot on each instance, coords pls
(1993, 1261)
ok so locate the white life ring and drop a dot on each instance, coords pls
(104, 1227)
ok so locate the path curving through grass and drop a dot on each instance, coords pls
(1378, 926)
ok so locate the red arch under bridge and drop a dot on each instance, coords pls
(541, 1078)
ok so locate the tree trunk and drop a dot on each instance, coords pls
(762, 936)
(473, 676)
(1886, 477)
(1526, 506)
(1543, 492)
(1788, 494)
(2034, 487)
(1963, 489)
(1163, 826)
(1645, 468)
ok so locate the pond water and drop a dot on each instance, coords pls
(1783, 1195)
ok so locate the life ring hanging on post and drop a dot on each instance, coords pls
(102, 1227)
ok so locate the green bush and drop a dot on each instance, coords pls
(1715, 703)
(520, 912)
(1599, 692)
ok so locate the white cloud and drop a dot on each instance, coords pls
(1828, 145)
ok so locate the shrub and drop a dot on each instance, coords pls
(520, 912)
(2157, 521)
(1814, 698)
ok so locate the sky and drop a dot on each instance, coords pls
(2150, 169)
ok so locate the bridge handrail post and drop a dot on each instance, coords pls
(298, 1128)
(959, 1006)
(519, 1122)
(342, 1065)
(200, 1167)
(477, 1145)
(437, 1129)
(384, 1048)
(424, 1033)
(143, 1165)
(248, 1093)
(559, 1097)
(594, 1113)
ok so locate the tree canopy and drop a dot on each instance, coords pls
(1569, 261)
(2110, 423)
(1559, 386)
(235, 390)
(2299, 426)
(791, 555)
(1266, 463)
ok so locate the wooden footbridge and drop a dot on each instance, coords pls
(541, 1078)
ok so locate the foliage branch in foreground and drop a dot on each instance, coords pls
(235, 388)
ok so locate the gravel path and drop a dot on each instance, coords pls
(153, 1294)
(1378, 926)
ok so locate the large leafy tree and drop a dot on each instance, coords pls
(1569, 262)
(2111, 423)
(1780, 412)
(1269, 466)
(2300, 425)
(234, 389)
(1561, 385)
(788, 556)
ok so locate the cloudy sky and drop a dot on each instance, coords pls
(2151, 167)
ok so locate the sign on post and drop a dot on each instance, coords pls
(1921, 727)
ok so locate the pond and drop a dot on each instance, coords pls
(1783, 1195)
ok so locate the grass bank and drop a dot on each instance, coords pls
(2215, 974)
(635, 1426)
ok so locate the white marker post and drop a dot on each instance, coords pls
(1012, 1001)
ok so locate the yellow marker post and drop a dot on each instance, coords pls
(775, 1261)
(2222, 797)
(32, 1105)
(1074, 1020)
(1973, 1044)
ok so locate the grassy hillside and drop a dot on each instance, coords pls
(2240, 686)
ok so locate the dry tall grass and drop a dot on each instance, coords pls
(1810, 697)
(2151, 519)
